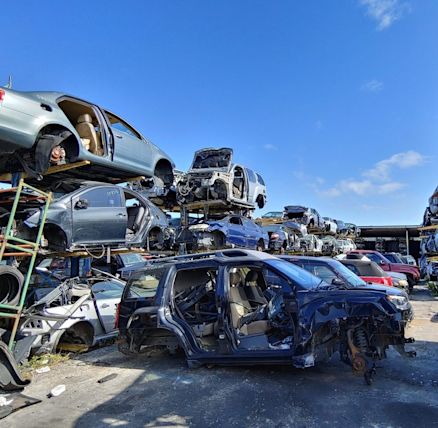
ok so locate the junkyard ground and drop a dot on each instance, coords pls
(160, 390)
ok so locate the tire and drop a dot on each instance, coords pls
(411, 282)
(260, 201)
(260, 245)
(11, 283)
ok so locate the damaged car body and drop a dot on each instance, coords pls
(91, 214)
(213, 177)
(221, 231)
(238, 307)
(40, 129)
(303, 215)
(80, 311)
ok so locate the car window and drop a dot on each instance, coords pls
(144, 284)
(102, 197)
(260, 179)
(353, 268)
(300, 277)
(374, 257)
(320, 271)
(121, 125)
(107, 290)
(236, 220)
(251, 176)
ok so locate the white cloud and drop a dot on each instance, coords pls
(376, 180)
(385, 12)
(372, 86)
(270, 147)
(403, 160)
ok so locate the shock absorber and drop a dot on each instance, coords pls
(361, 340)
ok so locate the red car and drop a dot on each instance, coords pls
(412, 272)
(369, 271)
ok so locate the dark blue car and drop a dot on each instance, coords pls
(224, 231)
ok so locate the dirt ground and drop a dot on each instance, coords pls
(160, 391)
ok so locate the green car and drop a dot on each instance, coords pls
(40, 129)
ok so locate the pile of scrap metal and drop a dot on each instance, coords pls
(77, 314)
(429, 243)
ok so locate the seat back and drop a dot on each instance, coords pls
(86, 130)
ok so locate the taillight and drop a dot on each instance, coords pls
(2, 95)
(116, 321)
(388, 281)
(275, 236)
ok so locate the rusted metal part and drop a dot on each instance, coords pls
(57, 155)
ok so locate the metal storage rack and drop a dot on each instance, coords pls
(12, 246)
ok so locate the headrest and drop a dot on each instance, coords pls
(85, 118)
(252, 276)
(235, 279)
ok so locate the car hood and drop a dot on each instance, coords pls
(206, 159)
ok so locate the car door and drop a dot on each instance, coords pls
(236, 232)
(252, 234)
(251, 180)
(99, 216)
(129, 146)
(107, 295)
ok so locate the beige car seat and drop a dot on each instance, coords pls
(90, 138)
(240, 306)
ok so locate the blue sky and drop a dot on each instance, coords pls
(335, 103)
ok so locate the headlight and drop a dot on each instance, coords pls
(403, 283)
(399, 301)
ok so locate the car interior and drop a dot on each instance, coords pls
(256, 308)
(136, 211)
(239, 183)
(83, 117)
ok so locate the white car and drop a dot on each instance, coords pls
(78, 311)
(330, 225)
(310, 244)
(346, 245)
(213, 177)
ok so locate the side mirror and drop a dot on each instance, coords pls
(337, 281)
(382, 263)
(81, 204)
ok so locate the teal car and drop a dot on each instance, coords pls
(40, 129)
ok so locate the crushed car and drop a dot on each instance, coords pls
(214, 177)
(222, 231)
(281, 238)
(310, 244)
(79, 313)
(39, 129)
(240, 307)
(87, 214)
(304, 215)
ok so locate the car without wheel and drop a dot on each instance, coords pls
(330, 225)
(245, 307)
(303, 215)
(39, 129)
(86, 214)
(214, 177)
(221, 231)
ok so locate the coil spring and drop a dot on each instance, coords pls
(360, 339)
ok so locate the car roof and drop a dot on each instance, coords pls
(308, 258)
(219, 257)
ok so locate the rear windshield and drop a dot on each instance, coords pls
(144, 284)
(365, 269)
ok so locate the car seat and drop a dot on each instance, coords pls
(89, 137)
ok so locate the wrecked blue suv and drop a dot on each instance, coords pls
(246, 307)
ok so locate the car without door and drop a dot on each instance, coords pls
(80, 311)
(214, 177)
(39, 129)
(243, 307)
(330, 225)
(86, 214)
(303, 215)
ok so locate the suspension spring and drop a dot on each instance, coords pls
(360, 339)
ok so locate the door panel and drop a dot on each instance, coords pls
(99, 216)
(236, 233)
(129, 146)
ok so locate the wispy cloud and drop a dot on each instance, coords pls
(372, 86)
(270, 147)
(376, 180)
(385, 12)
(381, 170)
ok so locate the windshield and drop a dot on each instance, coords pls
(300, 277)
(273, 214)
(349, 276)
(214, 158)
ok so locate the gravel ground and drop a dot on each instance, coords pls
(160, 391)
